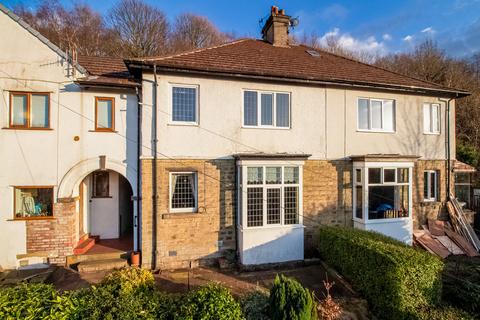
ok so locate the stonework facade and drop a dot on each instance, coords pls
(55, 238)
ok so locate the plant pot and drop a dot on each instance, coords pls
(135, 258)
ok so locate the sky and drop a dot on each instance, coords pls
(376, 26)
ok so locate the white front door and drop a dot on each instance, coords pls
(104, 210)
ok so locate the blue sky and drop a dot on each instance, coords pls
(378, 26)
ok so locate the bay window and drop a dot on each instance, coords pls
(266, 109)
(376, 115)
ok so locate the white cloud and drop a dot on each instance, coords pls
(369, 44)
(387, 37)
(408, 38)
(429, 30)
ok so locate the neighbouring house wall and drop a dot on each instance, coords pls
(184, 238)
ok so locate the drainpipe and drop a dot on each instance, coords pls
(154, 171)
(139, 164)
(447, 143)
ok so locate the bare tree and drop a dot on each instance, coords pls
(192, 32)
(142, 29)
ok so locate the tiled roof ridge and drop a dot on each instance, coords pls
(158, 58)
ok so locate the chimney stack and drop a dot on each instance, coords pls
(275, 30)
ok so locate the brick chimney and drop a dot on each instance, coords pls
(275, 30)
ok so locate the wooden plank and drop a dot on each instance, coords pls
(467, 229)
(450, 245)
(433, 245)
(436, 227)
(462, 243)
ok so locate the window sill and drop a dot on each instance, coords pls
(375, 131)
(103, 131)
(276, 226)
(431, 133)
(266, 127)
(32, 218)
(98, 197)
(180, 215)
(27, 129)
(182, 124)
(380, 221)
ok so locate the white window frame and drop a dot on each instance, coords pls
(243, 187)
(430, 118)
(274, 111)
(364, 166)
(195, 195)
(370, 128)
(430, 198)
(197, 104)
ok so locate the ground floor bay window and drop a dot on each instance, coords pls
(382, 198)
(270, 210)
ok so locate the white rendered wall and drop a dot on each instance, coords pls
(401, 230)
(270, 245)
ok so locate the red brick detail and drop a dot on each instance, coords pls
(56, 236)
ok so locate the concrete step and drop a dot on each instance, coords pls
(102, 265)
(74, 259)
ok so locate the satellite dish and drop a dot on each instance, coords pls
(294, 22)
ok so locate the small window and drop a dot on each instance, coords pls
(266, 109)
(183, 192)
(376, 115)
(273, 175)
(389, 175)
(101, 184)
(29, 110)
(255, 175)
(184, 104)
(104, 114)
(431, 118)
(430, 185)
(374, 175)
(33, 202)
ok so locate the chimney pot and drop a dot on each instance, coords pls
(282, 12)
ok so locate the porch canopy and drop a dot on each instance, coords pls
(382, 194)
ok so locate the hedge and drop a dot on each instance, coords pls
(396, 279)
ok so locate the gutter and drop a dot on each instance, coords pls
(154, 171)
(340, 83)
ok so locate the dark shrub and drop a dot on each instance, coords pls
(255, 306)
(209, 302)
(289, 300)
(396, 279)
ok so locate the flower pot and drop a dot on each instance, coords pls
(135, 258)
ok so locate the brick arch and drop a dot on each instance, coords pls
(69, 185)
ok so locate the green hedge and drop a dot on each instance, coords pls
(396, 279)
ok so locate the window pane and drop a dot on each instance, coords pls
(267, 109)
(426, 185)
(359, 201)
(387, 202)
(435, 118)
(104, 114)
(388, 115)
(250, 111)
(101, 184)
(462, 177)
(255, 175)
(183, 191)
(33, 202)
(273, 206)
(291, 205)
(462, 193)
(433, 185)
(254, 207)
(290, 175)
(39, 111)
(376, 110)
(402, 175)
(273, 175)
(426, 118)
(358, 173)
(389, 175)
(283, 110)
(363, 114)
(184, 104)
(374, 175)
(19, 110)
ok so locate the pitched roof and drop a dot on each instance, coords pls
(37, 34)
(107, 71)
(257, 58)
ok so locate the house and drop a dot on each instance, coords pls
(247, 146)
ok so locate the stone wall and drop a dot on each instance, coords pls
(185, 239)
(54, 237)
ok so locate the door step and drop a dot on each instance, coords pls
(84, 246)
(102, 265)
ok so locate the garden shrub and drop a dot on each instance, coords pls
(27, 301)
(289, 300)
(255, 306)
(396, 279)
(209, 302)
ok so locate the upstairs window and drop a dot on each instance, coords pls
(376, 115)
(430, 185)
(29, 110)
(266, 109)
(104, 114)
(431, 118)
(185, 104)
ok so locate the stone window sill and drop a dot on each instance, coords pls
(180, 215)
